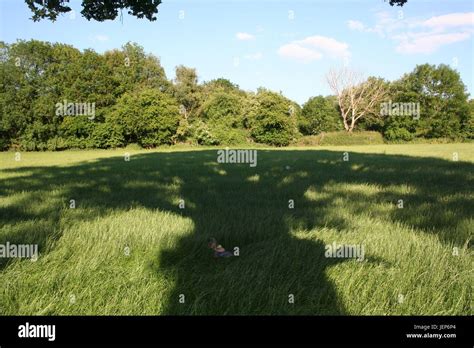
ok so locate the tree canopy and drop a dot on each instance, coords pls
(93, 9)
(54, 96)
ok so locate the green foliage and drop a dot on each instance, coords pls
(186, 90)
(38, 76)
(229, 136)
(56, 143)
(131, 67)
(273, 120)
(222, 112)
(223, 108)
(397, 133)
(217, 134)
(107, 135)
(342, 138)
(220, 84)
(134, 102)
(147, 116)
(183, 132)
(441, 94)
(467, 123)
(203, 135)
(354, 138)
(93, 9)
(76, 131)
(320, 114)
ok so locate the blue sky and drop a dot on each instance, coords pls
(286, 45)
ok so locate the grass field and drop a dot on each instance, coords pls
(128, 248)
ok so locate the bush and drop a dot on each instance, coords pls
(394, 134)
(223, 108)
(229, 136)
(342, 138)
(107, 135)
(4, 142)
(202, 134)
(35, 137)
(148, 117)
(320, 114)
(76, 131)
(183, 132)
(272, 121)
(308, 140)
(56, 144)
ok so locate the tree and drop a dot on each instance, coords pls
(93, 9)
(397, 2)
(219, 84)
(186, 90)
(37, 76)
(273, 118)
(29, 92)
(468, 124)
(442, 99)
(147, 116)
(356, 97)
(320, 114)
(131, 66)
(223, 113)
(222, 107)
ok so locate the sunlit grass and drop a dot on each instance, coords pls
(128, 248)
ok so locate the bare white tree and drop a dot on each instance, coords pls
(356, 96)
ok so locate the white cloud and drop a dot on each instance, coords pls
(438, 30)
(313, 48)
(450, 20)
(384, 25)
(254, 56)
(298, 52)
(429, 42)
(355, 25)
(244, 36)
(327, 45)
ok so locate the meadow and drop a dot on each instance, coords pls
(126, 247)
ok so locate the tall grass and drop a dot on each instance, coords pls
(128, 248)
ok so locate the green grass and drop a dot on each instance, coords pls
(83, 267)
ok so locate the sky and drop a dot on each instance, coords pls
(286, 46)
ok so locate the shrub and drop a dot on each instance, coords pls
(35, 137)
(56, 143)
(342, 138)
(202, 134)
(107, 135)
(229, 136)
(148, 117)
(272, 121)
(223, 108)
(4, 142)
(76, 131)
(320, 114)
(398, 134)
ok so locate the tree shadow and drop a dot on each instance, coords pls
(247, 208)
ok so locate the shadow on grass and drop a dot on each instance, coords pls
(247, 208)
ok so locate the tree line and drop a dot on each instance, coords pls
(54, 96)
